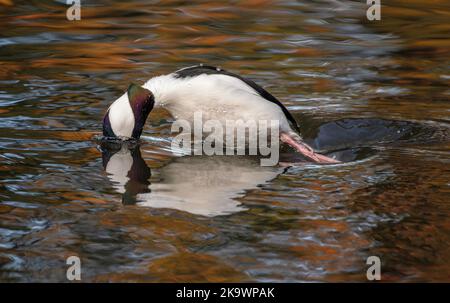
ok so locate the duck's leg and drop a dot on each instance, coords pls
(305, 149)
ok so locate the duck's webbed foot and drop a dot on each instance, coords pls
(305, 149)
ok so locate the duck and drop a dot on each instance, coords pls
(217, 93)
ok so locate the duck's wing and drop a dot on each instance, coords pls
(197, 70)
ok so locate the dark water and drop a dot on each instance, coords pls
(376, 94)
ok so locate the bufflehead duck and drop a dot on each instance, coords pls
(218, 94)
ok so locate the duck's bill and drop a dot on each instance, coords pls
(307, 150)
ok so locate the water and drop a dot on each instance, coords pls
(373, 93)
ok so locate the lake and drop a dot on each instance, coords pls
(374, 93)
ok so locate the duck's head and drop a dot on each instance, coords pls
(126, 117)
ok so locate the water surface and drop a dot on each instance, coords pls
(375, 94)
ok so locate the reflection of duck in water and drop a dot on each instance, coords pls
(127, 170)
(201, 185)
(219, 95)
